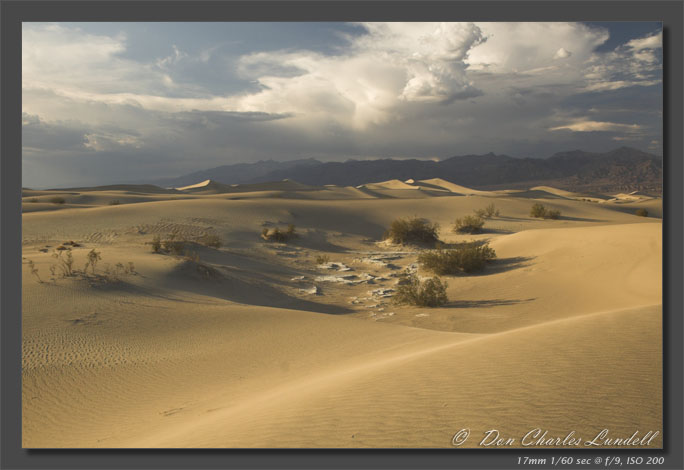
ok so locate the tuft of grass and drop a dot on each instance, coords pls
(541, 212)
(641, 212)
(412, 230)
(469, 224)
(57, 200)
(114, 202)
(428, 293)
(466, 258)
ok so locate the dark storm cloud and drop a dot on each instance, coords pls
(122, 102)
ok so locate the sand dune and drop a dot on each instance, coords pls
(440, 183)
(275, 350)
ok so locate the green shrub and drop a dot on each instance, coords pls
(540, 212)
(413, 230)
(57, 200)
(466, 258)
(469, 224)
(641, 212)
(114, 202)
(429, 293)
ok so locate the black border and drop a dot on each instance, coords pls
(13, 12)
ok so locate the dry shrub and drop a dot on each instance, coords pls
(93, 257)
(65, 261)
(469, 224)
(488, 212)
(541, 212)
(279, 235)
(428, 293)
(57, 200)
(641, 212)
(412, 230)
(466, 258)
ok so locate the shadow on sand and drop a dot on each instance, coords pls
(486, 303)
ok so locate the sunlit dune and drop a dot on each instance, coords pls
(242, 341)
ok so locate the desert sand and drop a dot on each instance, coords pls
(256, 344)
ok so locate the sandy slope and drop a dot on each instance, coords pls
(562, 332)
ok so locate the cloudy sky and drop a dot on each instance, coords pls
(122, 102)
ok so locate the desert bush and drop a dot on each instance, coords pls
(469, 224)
(57, 200)
(552, 214)
(33, 199)
(173, 246)
(488, 212)
(279, 235)
(65, 261)
(491, 211)
(322, 259)
(641, 212)
(93, 257)
(156, 244)
(540, 212)
(412, 230)
(114, 202)
(210, 240)
(428, 293)
(466, 258)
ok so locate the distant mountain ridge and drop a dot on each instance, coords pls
(238, 173)
(622, 169)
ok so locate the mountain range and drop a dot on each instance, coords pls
(622, 169)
